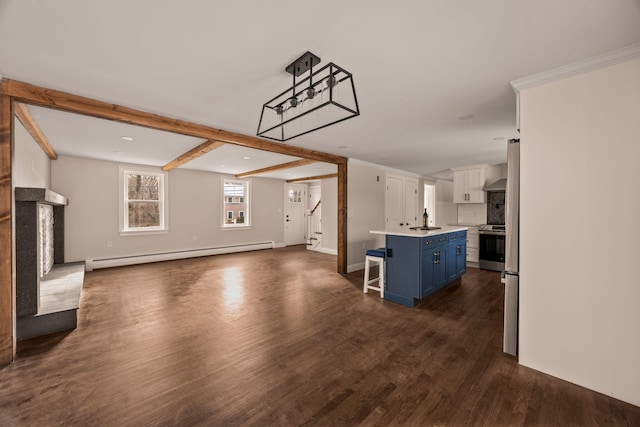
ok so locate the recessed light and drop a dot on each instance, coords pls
(342, 146)
(127, 138)
(499, 138)
(223, 166)
(247, 158)
(117, 151)
(466, 117)
(288, 174)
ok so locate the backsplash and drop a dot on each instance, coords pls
(495, 207)
(472, 213)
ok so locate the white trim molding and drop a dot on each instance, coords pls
(590, 64)
(94, 264)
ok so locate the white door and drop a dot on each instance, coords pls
(295, 196)
(394, 201)
(410, 202)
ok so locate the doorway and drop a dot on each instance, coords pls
(430, 202)
(295, 197)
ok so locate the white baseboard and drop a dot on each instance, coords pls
(94, 264)
(326, 251)
(279, 245)
(355, 267)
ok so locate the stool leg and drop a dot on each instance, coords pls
(366, 275)
(381, 281)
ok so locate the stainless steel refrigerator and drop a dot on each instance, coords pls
(512, 222)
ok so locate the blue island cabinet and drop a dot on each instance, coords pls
(419, 266)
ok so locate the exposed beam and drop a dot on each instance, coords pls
(7, 292)
(25, 117)
(342, 218)
(289, 165)
(196, 152)
(11, 90)
(36, 95)
(311, 178)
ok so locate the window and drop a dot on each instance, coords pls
(143, 206)
(236, 203)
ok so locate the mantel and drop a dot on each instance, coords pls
(42, 195)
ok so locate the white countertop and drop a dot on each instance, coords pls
(418, 233)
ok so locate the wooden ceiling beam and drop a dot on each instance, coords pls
(25, 117)
(36, 95)
(312, 178)
(289, 165)
(194, 153)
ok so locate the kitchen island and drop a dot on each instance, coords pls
(420, 262)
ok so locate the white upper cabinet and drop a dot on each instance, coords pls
(467, 186)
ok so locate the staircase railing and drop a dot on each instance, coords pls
(314, 227)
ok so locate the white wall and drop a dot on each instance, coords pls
(446, 210)
(365, 204)
(91, 219)
(32, 167)
(580, 230)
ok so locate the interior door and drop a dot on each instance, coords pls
(394, 201)
(410, 202)
(295, 196)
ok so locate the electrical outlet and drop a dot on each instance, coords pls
(109, 244)
(194, 238)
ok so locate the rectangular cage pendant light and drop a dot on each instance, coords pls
(322, 98)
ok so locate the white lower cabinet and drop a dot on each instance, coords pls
(473, 245)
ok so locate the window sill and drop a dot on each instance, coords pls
(237, 227)
(142, 232)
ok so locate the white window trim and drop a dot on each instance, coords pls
(246, 225)
(163, 228)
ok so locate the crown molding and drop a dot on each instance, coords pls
(590, 64)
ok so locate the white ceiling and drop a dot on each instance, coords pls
(418, 67)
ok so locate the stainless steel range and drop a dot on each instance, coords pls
(492, 247)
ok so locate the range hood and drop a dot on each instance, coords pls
(499, 185)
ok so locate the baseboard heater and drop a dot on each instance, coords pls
(94, 264)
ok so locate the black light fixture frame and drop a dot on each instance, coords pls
(330, 74)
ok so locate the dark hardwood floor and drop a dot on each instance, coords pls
(276, 337)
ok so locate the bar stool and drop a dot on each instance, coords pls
(374, 255)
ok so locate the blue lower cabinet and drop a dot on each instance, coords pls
(461, 255)
(452, 259)
(418, 266)
(402, 277)
(429, 262)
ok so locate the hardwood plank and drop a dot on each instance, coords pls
(311, 178)
(288, 165)
(25, 117)
(36, 95)
(7, 292)
(276, 337)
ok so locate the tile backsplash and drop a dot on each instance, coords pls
(472, 213)
(495, 205)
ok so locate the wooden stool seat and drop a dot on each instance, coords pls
(374, 255)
